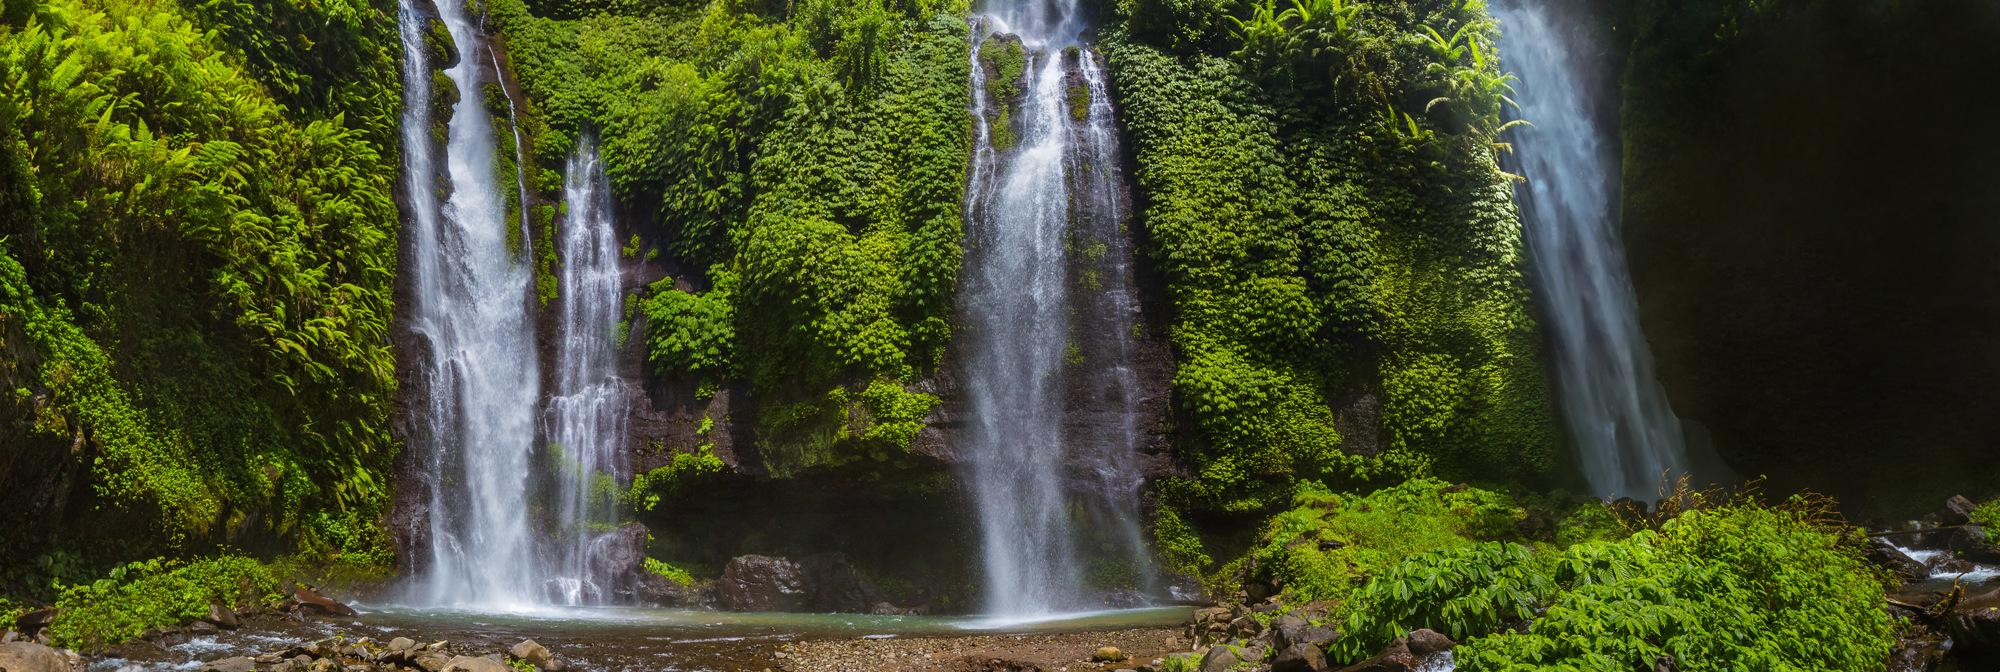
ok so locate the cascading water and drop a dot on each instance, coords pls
(586, 417)
(1029, 208)
(470, 315)
(1626, 435)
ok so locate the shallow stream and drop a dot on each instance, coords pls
(608, 639)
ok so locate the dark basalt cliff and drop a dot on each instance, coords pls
(1809, 210)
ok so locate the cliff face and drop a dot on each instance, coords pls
(1809, 208)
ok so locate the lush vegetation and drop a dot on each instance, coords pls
(139, 596)
(809, 158)
(1340, 247)
(197, 245)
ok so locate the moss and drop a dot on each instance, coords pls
(1009, 62)
(1079, 103)
(442, 50)
(444, 96)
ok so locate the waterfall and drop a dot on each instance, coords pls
(1030, 208)
(1626, 436)
(586, 417)
(470, 318)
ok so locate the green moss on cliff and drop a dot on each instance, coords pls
(195, 275)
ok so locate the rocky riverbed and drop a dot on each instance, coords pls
(1066, 652)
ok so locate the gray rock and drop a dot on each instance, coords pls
(432, 661)
(1299, 658)
(237, 664)
(31, 657)
(1311, 634)
(1956, 511)
(1975, 627)
(1219, 659)
(472, 664)
(535, 654)
(402, 644)
(202, 628)
(1246, 627)
(1288, 621)
(1426, 643)
(223, 617)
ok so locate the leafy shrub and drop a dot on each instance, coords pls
(1988, 514)
(1462, 592)
(674, 574)
(1741, 587)
(1373, 533)
(691, 333)
(153, 593)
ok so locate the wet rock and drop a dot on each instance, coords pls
(1395, 657)
(1949, 566)
(31, 657)
(202, 628)
(1975, 627)
(1218, 659)
(820, 583)
(320, 604)
(223, 617)
(1886, 555)
(1426, 643)
(1919, 654)
(31, 623)
(1299, 658)
(1956, 511)
(1971, 543)
(237, 664)
(1108, 654)
(534, 654)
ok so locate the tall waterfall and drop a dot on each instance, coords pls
(470, 314)
(1626, 436)
(586, 417)
(1050, 497)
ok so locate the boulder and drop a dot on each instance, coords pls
(1246, 627)
(1310, 634)
(1971, 543)
(1945, 565)
(1288, 622)
(31, 657)
(432, 661)
(32, 622)
(222, 616)
(820, 583)
(1108, 654)
(1975, 627)
(202, 628)
(1886, 555)
(1956, 511)
(1219, 659)
(1299, 658)
(1919, 654)
(1395, 657)
(475, 664)
(1426, 643)
(237, 664)
(318, 604)
(535, 654)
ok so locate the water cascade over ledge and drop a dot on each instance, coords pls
(471, 323)
(1049, 310)
(1625, 434)
(585, 419)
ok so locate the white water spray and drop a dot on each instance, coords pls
(1030, 473)
(1627, 438)
(470, 316)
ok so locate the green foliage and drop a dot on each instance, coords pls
(1987, 515)
(674, 574)
(878, 424)
(198, 288)
(154, 593)
(691, 333)
(1325, 265)
(1181, 662)
(1371, 534)
(1462, 592)
(1742, 587)
(1009, 62)
(649, 488)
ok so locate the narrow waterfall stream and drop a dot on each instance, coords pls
(470, 313)
(1626, 436)
(586, 418)
(1045, 198)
